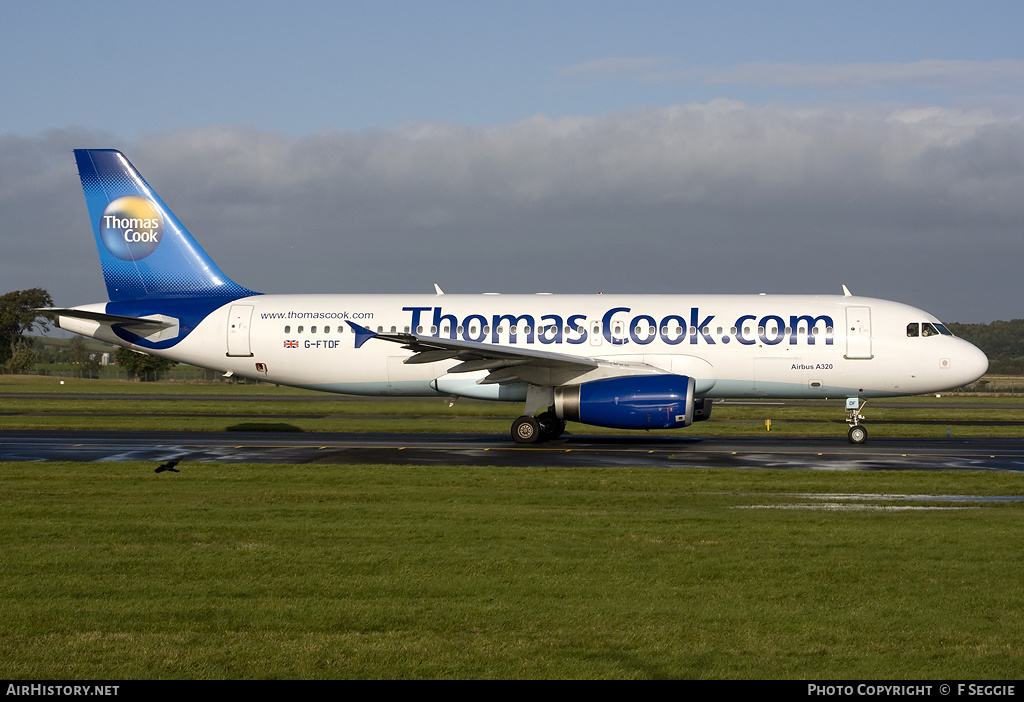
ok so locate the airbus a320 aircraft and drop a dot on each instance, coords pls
(620, 361)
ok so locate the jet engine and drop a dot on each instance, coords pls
(632, 402)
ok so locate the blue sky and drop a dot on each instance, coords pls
(300, 67)
(759, 146)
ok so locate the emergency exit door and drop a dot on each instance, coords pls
(858, 332)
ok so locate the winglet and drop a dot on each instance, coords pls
(362, 333)
(846, 292)
(438, 290)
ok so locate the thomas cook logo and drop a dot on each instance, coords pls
(131, 227)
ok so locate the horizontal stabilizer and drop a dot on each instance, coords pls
(111, 319)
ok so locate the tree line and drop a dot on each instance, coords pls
(1002, 342)
(20, 352)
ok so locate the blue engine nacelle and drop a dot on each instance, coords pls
(631, 402)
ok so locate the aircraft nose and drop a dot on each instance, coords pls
(973, 363)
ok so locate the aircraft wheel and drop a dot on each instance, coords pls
(858, 434)
(526, 430)
(551, 427)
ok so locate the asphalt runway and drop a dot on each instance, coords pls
(830, 453)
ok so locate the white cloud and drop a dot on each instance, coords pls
(918, 204)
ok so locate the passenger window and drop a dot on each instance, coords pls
(300, 330)
(327, 330)
(912, 329)
(312, 330)
(287, 329)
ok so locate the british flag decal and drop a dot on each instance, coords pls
(291, 344)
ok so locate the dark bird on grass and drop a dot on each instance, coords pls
(169, 466)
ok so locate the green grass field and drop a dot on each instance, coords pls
(110, 571)
(255, 571)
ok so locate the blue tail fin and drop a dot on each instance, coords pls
(145, 251)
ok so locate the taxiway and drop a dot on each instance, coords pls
(831, 453)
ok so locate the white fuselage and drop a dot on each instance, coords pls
(739, 346)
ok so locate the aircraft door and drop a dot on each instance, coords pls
(858, 332)
(239, 320)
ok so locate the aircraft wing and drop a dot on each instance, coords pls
(504, 363)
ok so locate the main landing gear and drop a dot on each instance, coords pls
(858, 433)
(532, 430)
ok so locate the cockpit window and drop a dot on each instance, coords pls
(927, 329)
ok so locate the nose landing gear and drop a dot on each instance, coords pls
(858, 433)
